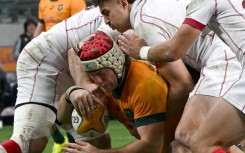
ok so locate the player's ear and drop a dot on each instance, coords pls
(124, 3)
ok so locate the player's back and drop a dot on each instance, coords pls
(225, 18)
(162, 17)
(229, 25)
(69, 32)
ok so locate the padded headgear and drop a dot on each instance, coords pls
(99, 52)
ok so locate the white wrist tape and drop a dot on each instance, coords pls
(144, 52)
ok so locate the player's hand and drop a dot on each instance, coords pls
(131, 44)
(80, 147)
(84, 102)
(94, 89)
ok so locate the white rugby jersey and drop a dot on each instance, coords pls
(42, 68)
(70, 32)
(163, 17)
(157, 25)
(225, 17)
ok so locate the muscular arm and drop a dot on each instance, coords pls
(151, 141)
(79, 76)
(64, 113)
(39, 30)
(174, 49)
(82, 101)
(167, 51)
(180, 85)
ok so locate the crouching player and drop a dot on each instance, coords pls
(135, 95)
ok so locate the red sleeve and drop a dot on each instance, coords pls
(194, 23)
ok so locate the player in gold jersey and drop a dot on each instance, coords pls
(51, 12)
(137, 97)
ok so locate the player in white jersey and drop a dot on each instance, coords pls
(227, 19)
(45, 69)
(156, 25)
(146, 23)
(219, 70)
(140, 18)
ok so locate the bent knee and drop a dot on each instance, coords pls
(183, 136)
(38, 145)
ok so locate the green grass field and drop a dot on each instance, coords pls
(119, 134)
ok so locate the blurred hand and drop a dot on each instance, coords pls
(94, 89)
(131, 44)
(84, 102)
(80, 147)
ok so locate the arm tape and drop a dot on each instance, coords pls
(69, 91)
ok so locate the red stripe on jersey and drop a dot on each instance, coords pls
(224, 78)
(194, 23)
(35, 79)
(234, 83)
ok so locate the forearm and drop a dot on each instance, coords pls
(64, 113)
(39, 29)
(174, 48)
(162, 53)
(138, 146)
(79, 76)
(103, 142)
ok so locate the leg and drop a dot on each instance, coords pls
(223, 126)
(41, 142)
(178, 148)
(194, 113)
(32, 127)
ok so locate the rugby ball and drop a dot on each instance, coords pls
(93, 127)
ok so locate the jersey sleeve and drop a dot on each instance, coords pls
(199, 13)
(77, 6)
(155, 29)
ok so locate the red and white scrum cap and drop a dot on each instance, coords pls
(99, 52)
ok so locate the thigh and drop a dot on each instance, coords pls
(223, 124)
(195, 111)
(32, 123)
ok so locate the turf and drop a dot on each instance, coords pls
(119, 134)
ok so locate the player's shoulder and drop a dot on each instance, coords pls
(136, 64)
(92, 11)
(89, 14)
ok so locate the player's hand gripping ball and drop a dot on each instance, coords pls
(93, 127)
